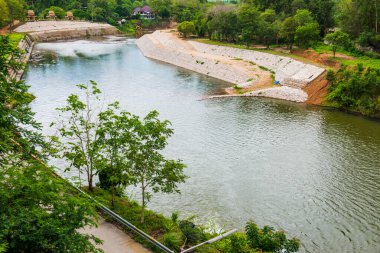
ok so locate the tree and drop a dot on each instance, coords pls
(39, 212)
(115, 134)
(19, 132)
(288, 31)
(186, 28)
(269, 240)
(161, 7)
(4, 17)
(151, 170)
(249, 21)
(307, 34)
(323, 10)
(337, 39)
(16, 11)
(78, 127)
(301, 28)
(101, 10)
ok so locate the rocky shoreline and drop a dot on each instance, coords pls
(251, 73)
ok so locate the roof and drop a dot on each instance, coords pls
(146, 8)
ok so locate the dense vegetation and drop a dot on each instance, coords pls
(355, 89)
(38, 211)
(299, 22)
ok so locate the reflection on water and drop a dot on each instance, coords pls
(313, 172)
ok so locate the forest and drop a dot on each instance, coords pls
(250, 21)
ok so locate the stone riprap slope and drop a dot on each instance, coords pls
(63, 30)
(288, 72)
(166, 47)
(245, 68)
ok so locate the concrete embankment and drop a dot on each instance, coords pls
(64, 30)
(26, 46)
(244, 68)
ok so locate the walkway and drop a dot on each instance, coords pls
(114, 239)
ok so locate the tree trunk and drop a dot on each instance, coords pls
(143, 205)
(113, 196)
(90, 188)
(376, 17)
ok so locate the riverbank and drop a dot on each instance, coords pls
(251, 73)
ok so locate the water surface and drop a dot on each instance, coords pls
(313, 172)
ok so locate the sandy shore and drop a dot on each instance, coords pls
(251, 73)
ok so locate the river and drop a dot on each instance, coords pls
(311, 171)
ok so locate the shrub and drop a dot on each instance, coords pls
(173, 240)
(59, 12)
(356, 89)
(186, 28)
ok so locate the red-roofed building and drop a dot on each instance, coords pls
(145, 12)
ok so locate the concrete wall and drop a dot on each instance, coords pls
(54, 35)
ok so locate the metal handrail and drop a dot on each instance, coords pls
(123, 221)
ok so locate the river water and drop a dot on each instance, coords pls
(311, 171)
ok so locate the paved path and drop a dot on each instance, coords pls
(114, 239)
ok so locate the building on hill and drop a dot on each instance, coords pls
(145, 12)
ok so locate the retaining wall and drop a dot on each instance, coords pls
(288, 71)
(54, 35)
(160, 47)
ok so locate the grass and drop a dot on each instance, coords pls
(366, 61)
(15, 38)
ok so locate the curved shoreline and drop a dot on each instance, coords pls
(252, 73)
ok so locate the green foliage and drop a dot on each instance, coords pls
(269, 240)
(337, 39)
(4, 17)
(59, 12)
(19, 132)
(173, 240)
(356, 89)
(151, 170)
(78, 127)
(192, 233)
(39, 214)
(239, 244)
(186, 28)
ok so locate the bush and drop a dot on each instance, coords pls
(356, 89)
(173, 240)
(186, 28)
(192, 233)
(59, 12)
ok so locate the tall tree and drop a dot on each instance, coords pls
(152, 171)
(115, 133)
(16, 11)
(78, 127)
